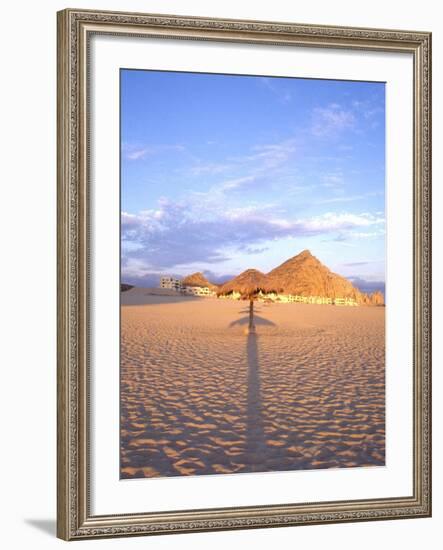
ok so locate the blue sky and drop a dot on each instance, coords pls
(222, 173)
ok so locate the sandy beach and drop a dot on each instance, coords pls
(201, 396)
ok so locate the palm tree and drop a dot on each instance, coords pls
(249, 284)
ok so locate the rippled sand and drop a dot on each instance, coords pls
(199, 396)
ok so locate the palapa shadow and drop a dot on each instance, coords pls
(257, 321)
(255, 433)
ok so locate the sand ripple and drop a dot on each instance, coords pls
(198, 396)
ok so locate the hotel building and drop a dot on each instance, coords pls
(171, 283)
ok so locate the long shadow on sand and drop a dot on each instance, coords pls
(255, 433)
(257, 321)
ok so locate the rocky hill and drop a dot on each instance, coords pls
(124, 287)
(305, 275)
(302, 275)
(198, 279)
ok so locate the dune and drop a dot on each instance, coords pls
(199, 396)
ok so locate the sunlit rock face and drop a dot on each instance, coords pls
(198, 279)
(305, 275)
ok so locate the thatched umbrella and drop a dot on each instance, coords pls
(249, 284)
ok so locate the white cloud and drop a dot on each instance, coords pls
(333, 180)
(339, 222)
(368, 108)
(350, 198)
(368, 234)
(136, 152)
(176, 234)
(260, 163)
(331, 120)
(210, 168)
(236, 183)
(282, 94)
(273, 155)
(266, 156)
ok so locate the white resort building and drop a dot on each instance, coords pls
(294, 298)
(171, 283)
(232, 296)
(197, 291)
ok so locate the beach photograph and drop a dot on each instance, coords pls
(252, 274)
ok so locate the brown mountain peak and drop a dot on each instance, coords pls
(302, 275)
(304, 254)
(295, 263)
(197, 274)
(197, 279)
(305, 275)
(251, 272)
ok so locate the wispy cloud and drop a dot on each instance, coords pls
(176, 234)
(137, 152)
(282, 94)
(260, 164)
(350, 198)
(355, 264)
(367, 108)
(236, 183)
(333, 180)
(368, 234)
(258, 158)
(330, 120)
(273, 172)
(236, 172)
(274, 154)
(210, 168)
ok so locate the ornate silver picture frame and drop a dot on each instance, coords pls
(75, 516)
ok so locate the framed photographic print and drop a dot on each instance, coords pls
(243, 274)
